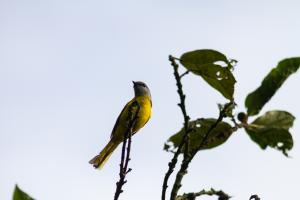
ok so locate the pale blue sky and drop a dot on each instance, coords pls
(65, 73)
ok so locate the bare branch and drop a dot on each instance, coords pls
(126, 147)
(185, 139)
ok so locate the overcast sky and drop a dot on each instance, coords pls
(65, 74)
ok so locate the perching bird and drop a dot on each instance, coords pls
(140, 106)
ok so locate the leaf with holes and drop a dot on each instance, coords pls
(199, 129)
(272, 129)
(207, 64)
(20, 195)
(271, 83)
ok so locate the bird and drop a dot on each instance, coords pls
(139, 106)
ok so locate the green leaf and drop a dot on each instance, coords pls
(272, 129)
(276, 119)
(192, 60)
(271, 83)
(205, 63)
(20, 195)
(199, 129)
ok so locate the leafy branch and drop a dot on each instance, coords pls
(184, 142)
(126, 147)
(189, 157)
(270, 129)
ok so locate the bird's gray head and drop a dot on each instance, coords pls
(141, 89)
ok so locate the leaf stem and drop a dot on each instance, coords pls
(185, 73)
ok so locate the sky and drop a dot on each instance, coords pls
(65, 74)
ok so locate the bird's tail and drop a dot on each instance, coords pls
(99, 160)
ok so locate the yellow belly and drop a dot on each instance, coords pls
(144, 115)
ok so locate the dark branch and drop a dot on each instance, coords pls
(255, 197)
(192, 196)
(185, 139)
(126, 147)
(185, 73)
(187, 158)
(222, 115)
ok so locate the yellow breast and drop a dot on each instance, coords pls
(144, 114)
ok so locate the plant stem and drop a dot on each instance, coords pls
(185, 139)
(126, 147)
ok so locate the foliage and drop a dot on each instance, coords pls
(20, 195)
(272, 129)
(271, 83)
(268, 130)
(207, 64)
(199, 128)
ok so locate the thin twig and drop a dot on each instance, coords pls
(185, 73)
(185, 139)
(125, 155)
(174, 58)
(222, 115)
(187, 158)
(192, 196)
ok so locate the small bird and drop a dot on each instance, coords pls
(142, 98)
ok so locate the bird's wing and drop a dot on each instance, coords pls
(125, 112)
